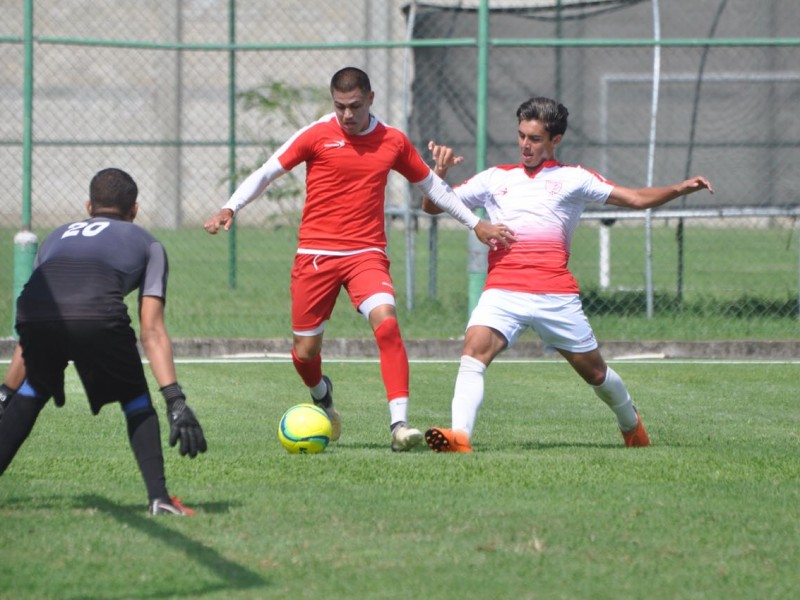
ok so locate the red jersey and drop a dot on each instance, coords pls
(346, 178)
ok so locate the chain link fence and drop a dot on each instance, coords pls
(189, 96)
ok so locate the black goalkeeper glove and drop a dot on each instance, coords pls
(5, 396)
(182, 422)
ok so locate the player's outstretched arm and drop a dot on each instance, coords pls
(650, 197)
(251, 188)
(488, 233)
(222, 220)
(436, 193)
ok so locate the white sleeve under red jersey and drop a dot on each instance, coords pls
(542, 209)
(346, 178)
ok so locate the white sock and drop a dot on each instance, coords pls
(468, 394)
(318, 391)
(398, 410)
(614, 393)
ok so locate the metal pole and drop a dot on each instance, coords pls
(605, 256)
(680, 233)
(433, 253)
(27, 116)
(558, 49)
(232, 262)
(408, 223)
(477, 252)
(25, 241)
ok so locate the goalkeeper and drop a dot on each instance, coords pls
(72, 309)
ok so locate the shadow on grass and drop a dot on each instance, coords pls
(387, 447)
(232, 575)
(553, 445)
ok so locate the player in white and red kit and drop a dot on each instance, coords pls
(529, 283)
(342, 242)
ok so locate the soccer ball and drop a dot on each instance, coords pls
(304, 429)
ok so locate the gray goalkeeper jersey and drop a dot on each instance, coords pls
(84, 270)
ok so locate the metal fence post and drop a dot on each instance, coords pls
(25, 242)
(477, 252)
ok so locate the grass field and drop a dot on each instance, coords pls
(739, 283)
(551, 505)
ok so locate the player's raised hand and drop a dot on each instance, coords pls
(223, 219)
(695, 184)
(443, 157)
(490, 234)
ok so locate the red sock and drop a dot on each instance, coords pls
(310, 371)
(394, 360)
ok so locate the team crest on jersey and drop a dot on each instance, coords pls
(553, 187)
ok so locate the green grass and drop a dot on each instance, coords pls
(739, 283)
(551, 505)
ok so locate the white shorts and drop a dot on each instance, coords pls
(557, 318)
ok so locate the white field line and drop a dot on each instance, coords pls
(644, 360)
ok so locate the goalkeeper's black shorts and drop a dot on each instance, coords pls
(104, 354)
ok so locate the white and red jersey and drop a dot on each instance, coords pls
(543, 209)
(346, 178)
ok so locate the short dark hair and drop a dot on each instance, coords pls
(547, 111)
(349, 79)
(113, 190)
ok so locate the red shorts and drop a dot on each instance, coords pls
(318, 278)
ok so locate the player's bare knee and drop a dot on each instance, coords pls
(596, 379)
(595, 376)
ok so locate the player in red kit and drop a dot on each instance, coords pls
(342, 242)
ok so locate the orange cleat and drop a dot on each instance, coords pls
(447, 440)
(637, 437)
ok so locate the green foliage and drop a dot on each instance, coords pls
(295, 106)
(551, 505)
(280, 110)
